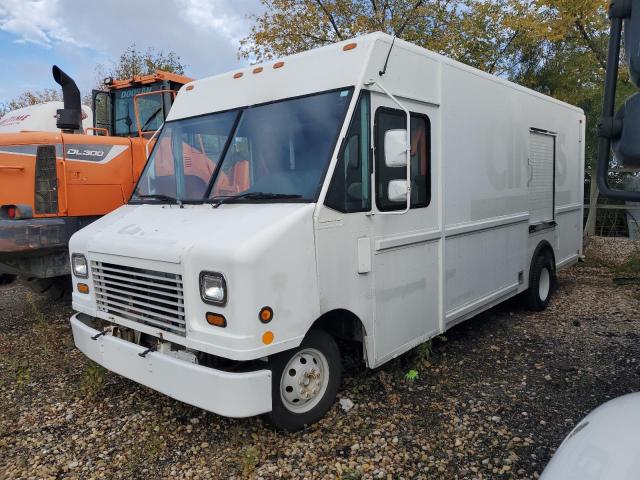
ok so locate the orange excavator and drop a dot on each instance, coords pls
(59, 171)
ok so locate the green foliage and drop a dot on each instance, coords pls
(250, 459)
(424, 351)
(350, 474)
(412, 375)
(38, 315)
(630, 266)
(93, 379)
(557, 47)
(134, 61)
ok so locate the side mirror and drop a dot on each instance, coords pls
(626, 142)
(397, 191)
(395, 148)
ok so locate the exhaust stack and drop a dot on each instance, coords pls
(68, 118)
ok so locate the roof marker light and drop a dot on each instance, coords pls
(257, 69)
(349, 46)
(238, 75)
(189, 87)
(278, 65)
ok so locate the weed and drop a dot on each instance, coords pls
(350, 474)
(424, 352)
(630, 266)
(92, 379)
(35, 310)
(412, 375)
(23, 377)
(250, 461)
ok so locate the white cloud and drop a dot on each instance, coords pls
(79, 34)
(217, 15)
(34, 21)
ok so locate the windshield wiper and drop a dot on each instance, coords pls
(219, 200)
(162, 197)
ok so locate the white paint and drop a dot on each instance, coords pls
(39, 118)
(407, 277)
(603, 446)
(224, 393)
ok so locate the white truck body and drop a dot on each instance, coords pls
(502, 177)
(39, 118)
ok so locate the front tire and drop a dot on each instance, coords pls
(304, 382)
(542, 285)
(6, 278)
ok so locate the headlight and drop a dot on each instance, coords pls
(213, 288)
(79, 265)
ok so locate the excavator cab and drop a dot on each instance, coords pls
(62, 175)
(136, 106)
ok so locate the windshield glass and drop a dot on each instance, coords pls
(280, 148)
(149, 106)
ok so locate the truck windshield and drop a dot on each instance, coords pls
(150, 109)
(279, 149)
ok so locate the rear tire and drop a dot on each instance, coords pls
(54, 288)
(542, 285)
(304, 382)
(6, 278)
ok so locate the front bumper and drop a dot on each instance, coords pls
(28, 235)
(37, 247)
(224, 393)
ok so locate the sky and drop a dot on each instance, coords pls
(77, 35)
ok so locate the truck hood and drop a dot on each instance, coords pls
(166, 232)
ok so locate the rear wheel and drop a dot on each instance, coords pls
(304, 382)
(542, 284)
(6, 278)
(54, 288)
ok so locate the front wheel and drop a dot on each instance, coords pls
(54, 288)
(6, 278)
(542, 284)
(304, 382)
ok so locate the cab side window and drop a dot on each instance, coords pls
(390, 119)
(349, 190)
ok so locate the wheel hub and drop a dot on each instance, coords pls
(304, 380)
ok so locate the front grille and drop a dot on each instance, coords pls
(146, 296)
(46, 187)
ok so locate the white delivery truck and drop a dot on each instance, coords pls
(370, 189)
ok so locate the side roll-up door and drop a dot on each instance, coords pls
(541, 179)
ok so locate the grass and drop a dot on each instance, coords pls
(631, 266)
(250, 459)
(350, 474)
(93, 379)
(142, 455)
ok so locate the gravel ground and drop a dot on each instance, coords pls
(496, 396)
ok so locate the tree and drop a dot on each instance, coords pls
(137, 62)
(131, 62)
(28, 98)
(482, 34)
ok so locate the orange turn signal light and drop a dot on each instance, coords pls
(349, 46)
(238, 75)
(278, 65)
(189, 87)
(266, 314)
(267, 337)
(257, 70)
(83, 288)
(216, 319)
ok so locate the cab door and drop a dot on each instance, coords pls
(406, 247)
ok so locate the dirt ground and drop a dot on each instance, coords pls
(493, 397)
